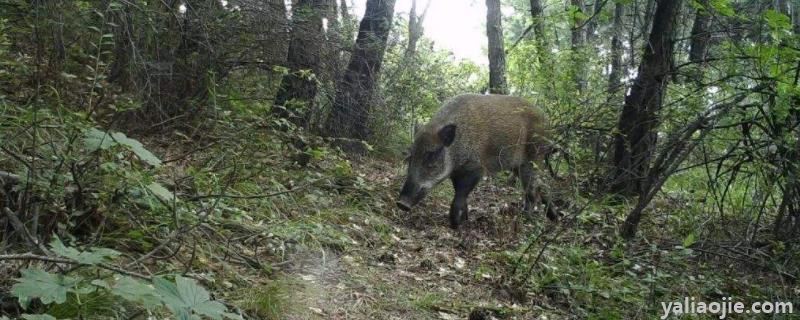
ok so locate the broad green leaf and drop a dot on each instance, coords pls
(168, 292)
(95, 139)
(134, 290)
(185, 296)
(48, 287)
(137, 148)
(159, 191)
(101, 283)
(94, 256)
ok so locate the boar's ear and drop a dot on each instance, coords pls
(447, 134)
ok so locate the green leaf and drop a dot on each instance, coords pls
(723, 7)
(134, 290)
(689, 240)
(48, 287)
(101, 283)
(95, 139)
(137, 148)
(159, 191)
(777, 20)
(94, 256)
(185, 296)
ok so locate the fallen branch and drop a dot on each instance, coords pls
(32, 241)
(31, 256)
(8, 178)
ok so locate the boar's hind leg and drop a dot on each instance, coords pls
(463, 184)
(534, 193)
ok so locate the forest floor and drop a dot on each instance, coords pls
(414, 266)
(279, 226)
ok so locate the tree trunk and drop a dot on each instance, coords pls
(352, 106)
(636, 136)
(700, 35)
(537, 13)
(497, 54)
(576, 43)
(415, 29)
(344, 12)
(796, 19)
(299, 86)
(615, 74)
(591, 27)
(120, 65)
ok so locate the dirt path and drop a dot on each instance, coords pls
(420, 268)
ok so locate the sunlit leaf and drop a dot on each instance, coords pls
(48, 287)
(137, 148)
(93, 256)
(137, 291)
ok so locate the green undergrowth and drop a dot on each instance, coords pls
(263, 204)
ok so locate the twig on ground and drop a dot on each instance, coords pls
(33, 242)
(31, 256)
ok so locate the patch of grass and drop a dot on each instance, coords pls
(427, 301)
(269, 301)
(86, 306)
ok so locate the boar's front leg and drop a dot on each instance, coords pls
(463, 183)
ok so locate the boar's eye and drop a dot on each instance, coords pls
(430, 157)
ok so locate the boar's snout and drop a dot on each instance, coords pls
(403, 205)
(410, 195)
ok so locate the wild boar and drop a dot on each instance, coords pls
(473, 136)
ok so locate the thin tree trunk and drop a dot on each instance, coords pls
(299, 87)
(345, 13)
(700, 35)
(591, 27)
(537, 13)
(576, 43)
(615, 74)
(415, 29)
(576, 34)
(497, 55)
(796, 18)
(353, 104)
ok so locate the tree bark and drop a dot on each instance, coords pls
(576, 34)
(638, 121)
(299, 87)
(344, 12)
(353, 104)
(700, 35)
(497, 54)
(796, 19)
(537, 13)
(576, 43)
(591, 27)
(415, 29)
(615, 74)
